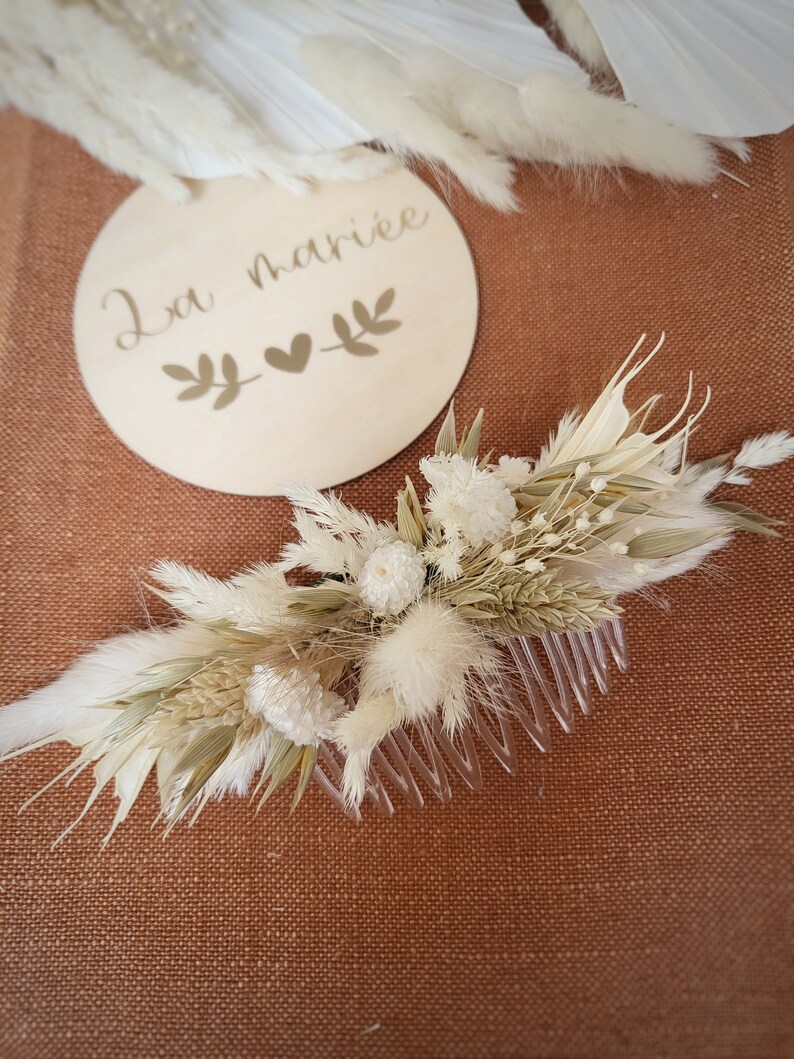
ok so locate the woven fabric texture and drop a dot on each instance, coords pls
(627, 895)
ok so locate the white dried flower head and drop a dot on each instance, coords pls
(534, 566)
(518, 526)
(598, 484)
(466, 500)
(583, 523)
(552, 539)
(292, 700)
(581, 470)
(512, 471)
(446, 557)
(618, 548)
(640, 569)
(508, 557)
(539, 521)
(392, 577)
(606, 516)
(429, 656)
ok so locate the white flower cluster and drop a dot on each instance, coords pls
(467, 501)
(294, 702)
(392, 577)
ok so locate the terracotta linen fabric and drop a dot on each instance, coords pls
(627, 895)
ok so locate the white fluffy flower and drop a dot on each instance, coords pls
(512, 471)
(427, 659)
(292, 700)
(466, 500)
(598, 484)
(606, 516)
(581, 470)
(539, 521)
(534, 566)
(618, 548)
(392, 577)
(583, 523)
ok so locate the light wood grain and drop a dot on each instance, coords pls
(247, 268)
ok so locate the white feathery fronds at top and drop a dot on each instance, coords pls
(722, 68)
(32, 84)
(71, 67)
(289, 88)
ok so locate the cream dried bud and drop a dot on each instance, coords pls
(518, 526)
(508, 557)
(552, 539)
(606, 516)
(539, 521)
(582, 469)
(583, 523)
(534, 566)
(598, 484)
(618, 548)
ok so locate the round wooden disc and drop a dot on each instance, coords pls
(253, 337)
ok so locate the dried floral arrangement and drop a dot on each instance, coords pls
(162, 89)
(425, 624)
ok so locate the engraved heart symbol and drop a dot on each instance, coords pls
(297, 358)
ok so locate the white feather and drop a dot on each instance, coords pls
(717, 67)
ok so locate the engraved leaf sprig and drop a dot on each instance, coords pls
(203, 379)
(368, 323)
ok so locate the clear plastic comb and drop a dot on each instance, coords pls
(555, 674)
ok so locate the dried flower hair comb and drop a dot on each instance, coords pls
(467, 616)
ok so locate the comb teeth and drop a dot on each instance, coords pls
(556, 673)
